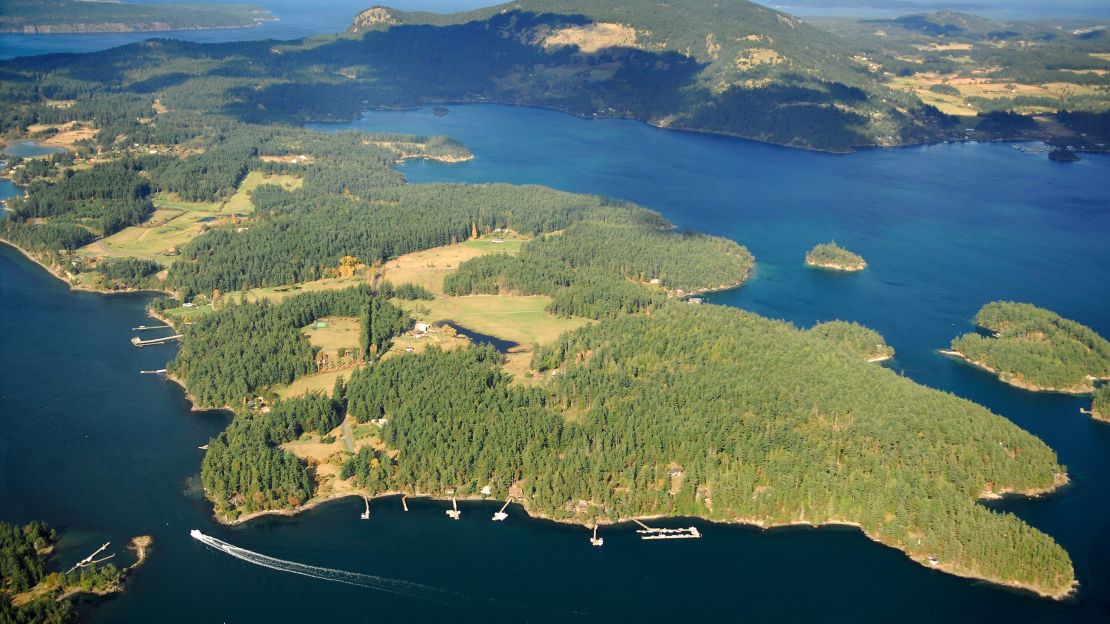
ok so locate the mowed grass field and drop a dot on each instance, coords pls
(522, 320)
(341, 332)
(428, 268)
(176, 222)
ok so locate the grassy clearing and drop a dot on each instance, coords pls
(176, 222)
(327, 457)
(522, 320)
(428, 268)
(341, 332)
(978, 87)
(240, 202)
(317, 382)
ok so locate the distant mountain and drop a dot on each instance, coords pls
(90, 16)
(731, 67)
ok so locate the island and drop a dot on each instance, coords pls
(372, 337)
(31, 594)
(832, 256)
(97, 16)
(1035, 349)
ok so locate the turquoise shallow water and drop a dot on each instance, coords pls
(105, 453)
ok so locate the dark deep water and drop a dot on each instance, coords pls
(90, 445)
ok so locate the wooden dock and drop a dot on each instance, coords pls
(139, 342)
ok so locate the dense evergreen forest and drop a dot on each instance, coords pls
(1035, 348)
(23, 554)
(244, 470)
(1100, 405)
(655, 414)
(833, 256)
(228, 356)
(867, 342)
(602, 270)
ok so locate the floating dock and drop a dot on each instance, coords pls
(595, 540)
(650, 533)
(139, 342)
(501, 515)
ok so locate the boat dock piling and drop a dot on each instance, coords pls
(501, 515)
(139, 342)
(91, 559)
(595, 540)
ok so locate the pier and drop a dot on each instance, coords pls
(405, 501)
(91, 559)
(501, 515)
(454, 512)
(595, 540)
(649, 533)
(139, 342)
(148, 327)
(153, 372)
(366, 514)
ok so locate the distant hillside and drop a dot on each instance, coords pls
(736, 68)
(89, 16)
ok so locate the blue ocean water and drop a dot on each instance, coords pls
(105, 453)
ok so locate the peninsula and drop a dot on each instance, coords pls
(832, 256)
(313, 287)
(86, 16)
(29, 593)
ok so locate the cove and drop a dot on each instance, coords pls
(105, 453)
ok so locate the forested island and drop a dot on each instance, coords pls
(30, 594)
(832, 256)
(95, 16)
(1035, 349)
(618, 398)
(1100, 405)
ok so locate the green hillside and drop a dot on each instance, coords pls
(736, 68)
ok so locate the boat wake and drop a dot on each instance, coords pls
(380, 583)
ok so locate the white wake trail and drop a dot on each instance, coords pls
(393, 586)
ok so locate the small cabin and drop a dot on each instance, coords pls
(422, 327)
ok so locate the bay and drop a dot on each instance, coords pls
(105, 453)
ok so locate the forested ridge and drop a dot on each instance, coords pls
(652, 414)
(1036, 348)
(602, 270)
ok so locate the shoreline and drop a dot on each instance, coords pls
(53, 272)
(832, 266)
(762, 524)
(1077, 390)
